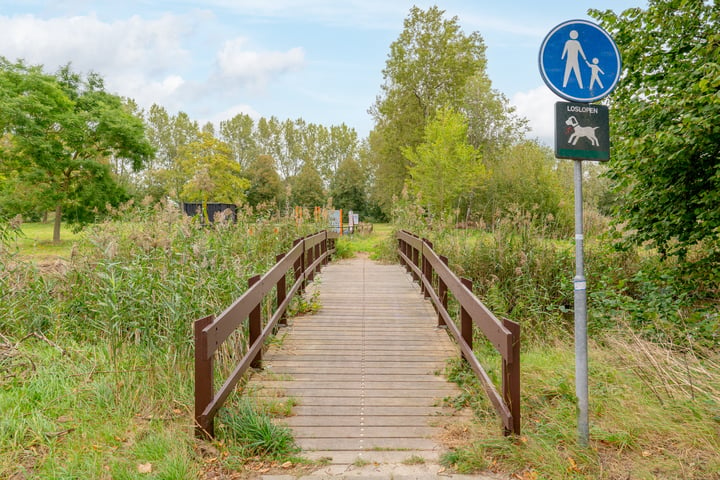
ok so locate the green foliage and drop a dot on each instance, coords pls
(238, 134)
(427, 68)
(209, 172)
(301, 305)
(265, 183)
(656, 300)
(168, 135)
(79, 411)
(348, 187)
(255, 433)
(525, 177)
(61, 132)
(666, 160)
(307, 188)
(492, 123)
(517, 270)
(444, 169)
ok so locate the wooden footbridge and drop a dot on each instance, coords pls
(364, 371)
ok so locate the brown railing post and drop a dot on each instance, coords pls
(299, 266)
(324, 248)
(281, 292)
(415, 260)
(442, 294)
(318, 252)
(310, 259)
(426, 268)
(465, 318)
(511, 377)
(255, 325)
(204, 427)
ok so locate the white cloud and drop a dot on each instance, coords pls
(538, 106)
(167, 91)
(236, 62)
(136, 44)
(231, 112)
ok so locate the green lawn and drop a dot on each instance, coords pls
(36, 241)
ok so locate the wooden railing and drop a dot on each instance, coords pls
(436, 282)
(306, 258)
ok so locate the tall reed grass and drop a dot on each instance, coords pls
(143, 277)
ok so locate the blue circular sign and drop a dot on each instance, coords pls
(579, 61)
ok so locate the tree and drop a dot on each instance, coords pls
(63, 130)
(666, 155)
(427, 68)
(211, 173)
(492, 123)
(265, 183)
(238, 133)
(168, 134)
(269, 141)
(445, 168)
(307, 187)
(348, 187)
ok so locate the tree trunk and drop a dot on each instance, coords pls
(56, 227)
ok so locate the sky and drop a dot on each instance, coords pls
(319, 60)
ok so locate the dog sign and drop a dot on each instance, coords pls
(582, 131)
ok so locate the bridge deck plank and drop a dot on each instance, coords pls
(363, 369)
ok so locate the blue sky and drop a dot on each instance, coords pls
(321, 60)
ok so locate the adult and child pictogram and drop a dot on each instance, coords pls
(579, 61)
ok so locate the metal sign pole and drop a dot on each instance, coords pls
(581, 345)
(582, 132)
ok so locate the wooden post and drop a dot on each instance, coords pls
(281, 292)
(299, 266)
(466, 325)
(310, 260)
(324, 248)
(511, 377)
(426, 267)
(255, 325)
(442, 294)
(415, 260)
(204, 427)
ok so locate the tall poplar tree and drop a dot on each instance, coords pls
(427, 68)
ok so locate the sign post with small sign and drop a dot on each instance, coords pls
(580, 62)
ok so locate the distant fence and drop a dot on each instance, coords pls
(306, 258)
(436, 281)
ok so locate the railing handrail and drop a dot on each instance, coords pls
(306, 257)
(427, 266)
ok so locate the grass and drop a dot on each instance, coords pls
(73, 412)
(636, 432)
(378, 244)
(253, 433)
(36, 243)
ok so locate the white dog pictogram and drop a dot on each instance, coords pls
(579, 132)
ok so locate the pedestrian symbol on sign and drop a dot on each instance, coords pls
(579, 61)
(572, 64)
